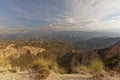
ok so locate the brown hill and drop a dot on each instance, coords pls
(111, 56)
(110, 52)
(113, 50)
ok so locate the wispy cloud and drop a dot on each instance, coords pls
(85, 15)
(92, 15)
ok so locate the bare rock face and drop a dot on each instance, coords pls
(11, 50)
(34, 50)
(8, 51)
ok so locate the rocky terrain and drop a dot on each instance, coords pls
(11, 50)
(57, 60)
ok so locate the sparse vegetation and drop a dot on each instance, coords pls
(96, 66)
(4, 61)
(43, 74)
(79, 69)
(65, 61)
(40, 64)
(113, 63)
(76, 68)
(23, 61)
(42, 67)
(13, 70)
(62, 70)
(60, 57)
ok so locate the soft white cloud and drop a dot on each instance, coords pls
(92, 9)
(84, 15)
(105, 25)
(91, 15)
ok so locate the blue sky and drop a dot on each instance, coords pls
(83, 15)
(30, 12)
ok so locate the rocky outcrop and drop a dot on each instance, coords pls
(11, 50)
(33, 50)
(8, 51)
(83, 58)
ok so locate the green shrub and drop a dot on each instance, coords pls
(24, 61)
(65, 61)
(113, 62)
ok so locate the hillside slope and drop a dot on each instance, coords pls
(96, 43)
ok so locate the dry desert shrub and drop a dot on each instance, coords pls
(41, 66)
(96, 66)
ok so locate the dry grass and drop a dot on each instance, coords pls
(62, 70)
(43, 74)
(4, 62)
(96, 66)
(14, 69)
(42, 67)
(79, 69)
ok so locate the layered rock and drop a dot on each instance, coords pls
(11, 50)
(33, 50)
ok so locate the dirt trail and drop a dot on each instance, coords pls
(16, 76)
(31, 76)
(76, 77)
(53, 76)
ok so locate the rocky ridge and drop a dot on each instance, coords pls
(11, 50)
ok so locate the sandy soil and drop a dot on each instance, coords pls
(53, 76)
(17, 76)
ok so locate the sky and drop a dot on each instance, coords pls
(83, 15)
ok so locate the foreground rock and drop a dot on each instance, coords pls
(11, 50)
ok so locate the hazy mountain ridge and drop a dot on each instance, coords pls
(112, 51)
(83, 40)
(74, 36)
(97, 43)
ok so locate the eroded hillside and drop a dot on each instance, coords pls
(46, 58)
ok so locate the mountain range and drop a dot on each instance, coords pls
(96, 43)
(82, 40)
